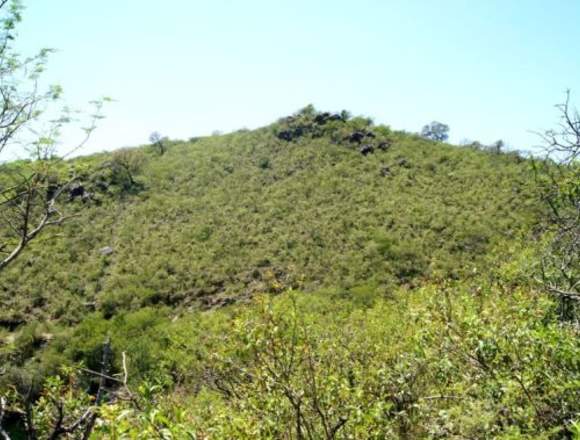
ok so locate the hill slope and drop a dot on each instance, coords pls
(380, 286)
(224, 217)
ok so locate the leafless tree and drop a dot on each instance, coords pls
(158, 142)
(559, 181)
(563, 143)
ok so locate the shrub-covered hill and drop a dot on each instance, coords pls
(406, 305)
(303, 203)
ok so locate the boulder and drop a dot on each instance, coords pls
(356, 136)
(299, 131)
(385, 145)
(76, 191)
(385, 171)
(107, 250)
(322, 118)
(366, 149)
(404, 163)
(292, 133)
(285, 135)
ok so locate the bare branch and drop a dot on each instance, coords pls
(3, 434)
(559, 183)
(105, 365)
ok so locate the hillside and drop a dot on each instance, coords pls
(224, 217)
(371, 281)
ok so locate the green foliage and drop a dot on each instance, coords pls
(373, 303)
(436, 131)
(238, 214)
(443, 363)
(455, 360)
(124, 165)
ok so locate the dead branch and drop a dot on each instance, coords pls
(3, 434)
(25, 226)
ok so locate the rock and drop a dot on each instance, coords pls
(325, 117)
(292, 133)
(76, 191)
(366, 149)
(299, 131)
(322, 118)
(385, 145)
(356, 136)
(107, 250)
(403, 163)
(385, 171)
(285, 135)
(11, 322)
(90, 305)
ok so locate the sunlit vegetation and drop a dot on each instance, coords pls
(321, 277)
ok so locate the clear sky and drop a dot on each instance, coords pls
(490, 69)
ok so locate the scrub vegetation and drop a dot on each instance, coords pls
(322, 277)
(254, 286)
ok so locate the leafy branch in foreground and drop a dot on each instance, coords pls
(31, 198)
(62, 410)
(31, 193)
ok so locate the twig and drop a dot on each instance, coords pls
(3, 434)
(105, 364)
(101, 375)
(442, 397)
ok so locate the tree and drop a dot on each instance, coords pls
(559, 183)
(436, 131)
(30, 192)
(563, 143)
(309, 111)
(498, 146)
(125, 163)
(345, 115)
(158, 142)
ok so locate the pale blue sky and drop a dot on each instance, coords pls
(490, 69)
